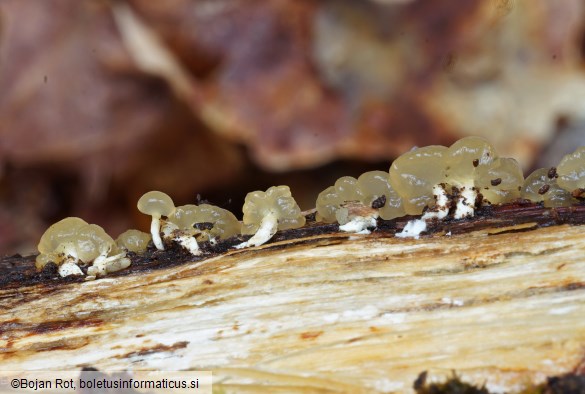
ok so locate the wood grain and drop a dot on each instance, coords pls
(327, 313)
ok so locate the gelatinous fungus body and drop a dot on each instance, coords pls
(156, 204)
(414, 174)
(571, 173)
(542, 186)
(191, 223)
(372, 190)
(331, 199)
(267, 212)
(435, 182)
(133, 241)
(73, 241)
(500, 181)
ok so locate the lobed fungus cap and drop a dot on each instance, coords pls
(133, 241)
(414, 174)
(330, 200)
(90, 241)
(327, 203)
(465, 157)
(276, 200)
(156, 204)
(184, 217)
(541, 185)
(59, 232)
(374, 185)
(222, 223)
(571, 170)
(225, 224)
(73, 236)
(500, 181)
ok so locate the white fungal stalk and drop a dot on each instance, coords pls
(267, 229)
(172, 232)
(104, 263)
(466, 203)
(188, 242)
(465, 208)
(156, 204)
(360, 224)
(413, 229)
(67, 253)
(69, 268)
(441, 204)
(67, 260)
(155, 232)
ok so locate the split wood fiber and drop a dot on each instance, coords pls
(324, 313)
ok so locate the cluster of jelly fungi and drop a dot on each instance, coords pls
(435, 182)
(72, 242)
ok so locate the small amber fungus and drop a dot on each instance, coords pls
(72, 241)
(156, 204)
(205, 222)
(542, 186)
(267, 212)
(133, 241)
(571, 172)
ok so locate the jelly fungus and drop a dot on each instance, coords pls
(267, 212)
(331, 199)
(463, 162)
(156, 204)
(72, 241)
(434, 181)
(571, 173)
(500, 181)
(464, 158)
(540, 186)
(414, 174)
(205, 222)
(372, 190)
(180, 227)
(436, 178)
(216, 223)
(133, 241)
(374, 185)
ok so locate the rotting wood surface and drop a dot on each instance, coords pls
(328, 312)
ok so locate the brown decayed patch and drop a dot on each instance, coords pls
(310, 335)
(160, 348)
(46, 327)
(61, 344)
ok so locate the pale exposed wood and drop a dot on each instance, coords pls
(330, 313)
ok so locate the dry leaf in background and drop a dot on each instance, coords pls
(303, 82)
(79, 121)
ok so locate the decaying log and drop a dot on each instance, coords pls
(499, 299)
